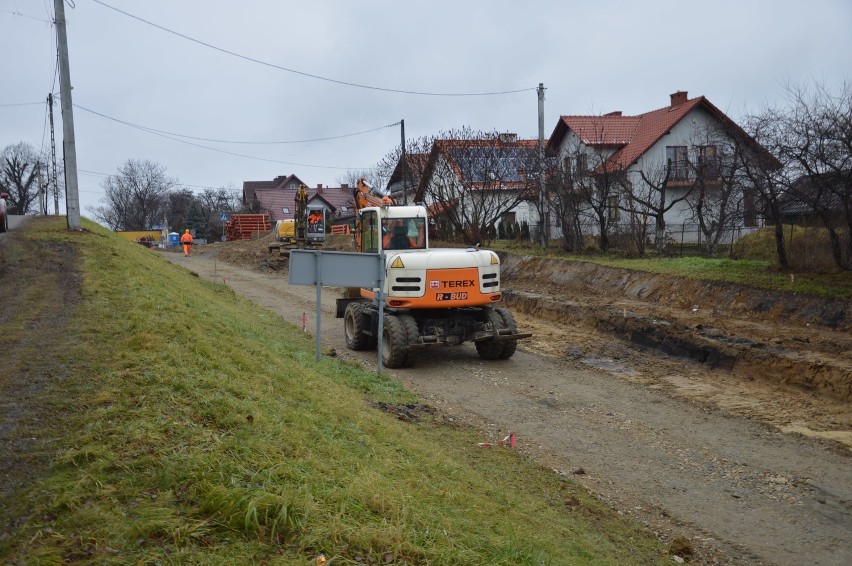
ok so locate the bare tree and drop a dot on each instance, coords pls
(402, 177)
(19, 170)
(819, 147)
(638, 222)
(599, 189)
(213, 203)
(470, 179)
(566, 204)
(720, 188)
(135, 197)
(765, 173)
(177, 203)
(373, 177)
(654, 196)
(592, 185)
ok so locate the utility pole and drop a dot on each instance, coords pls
(542, 198)
(72, 196)
(404, 165)
(52, 178)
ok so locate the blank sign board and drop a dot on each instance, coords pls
(335, 269)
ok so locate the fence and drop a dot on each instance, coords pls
(680, 239)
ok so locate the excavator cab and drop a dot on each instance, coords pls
(315, 232)
(377, 231)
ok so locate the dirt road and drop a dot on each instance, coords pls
(741, 490)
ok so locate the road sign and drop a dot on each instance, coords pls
(224, 217)
(339, 269)
(335, 269)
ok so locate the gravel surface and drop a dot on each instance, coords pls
(642, 431)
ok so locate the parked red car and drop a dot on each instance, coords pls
(4, 220)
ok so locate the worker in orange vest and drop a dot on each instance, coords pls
(186, 242)
(397, 237)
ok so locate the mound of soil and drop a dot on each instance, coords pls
(582, 279)
(785, 338)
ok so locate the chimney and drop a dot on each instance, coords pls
(614, 113)
(344, 185)
(508, 138)
(319, 188)
(678, 98)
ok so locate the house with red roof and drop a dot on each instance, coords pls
(279, 183)
(472, 185)
(278, 198)
(675, 154)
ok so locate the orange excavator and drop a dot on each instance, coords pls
(432, 296)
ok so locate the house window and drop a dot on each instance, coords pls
(613, 212)
(509, 219)
(677, 156)
(566, 165)
(708, 164)
(582, 165)
(369, 232)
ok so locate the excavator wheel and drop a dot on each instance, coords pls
(509, 346)
(394, 342)
(492, 349)
(356, 323)
(412, 335)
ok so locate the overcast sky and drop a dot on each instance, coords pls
(593, 58)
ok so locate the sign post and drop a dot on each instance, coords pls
(224, 218)
(338, 269)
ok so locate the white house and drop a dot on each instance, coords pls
(686, 150)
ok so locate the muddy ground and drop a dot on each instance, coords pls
(716, 412)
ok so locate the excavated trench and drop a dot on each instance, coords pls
(779, 337)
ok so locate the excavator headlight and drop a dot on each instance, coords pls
(494, 259)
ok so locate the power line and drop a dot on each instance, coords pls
(153, 130)
(20, 15)
(21, 104)
(99, 174)
(156, 133)
(302, 73)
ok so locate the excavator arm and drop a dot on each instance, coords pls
(301, 213)
(364, 197)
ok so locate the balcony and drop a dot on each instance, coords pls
(685, 173)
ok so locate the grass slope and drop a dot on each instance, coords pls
(184, 425)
